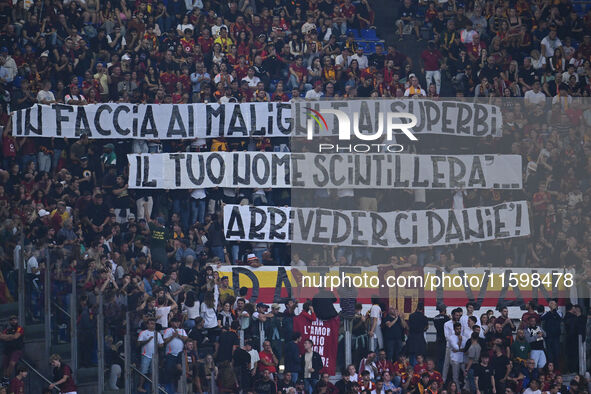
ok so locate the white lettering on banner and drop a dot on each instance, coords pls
(233, 120)
(374, 229)
(312, 170)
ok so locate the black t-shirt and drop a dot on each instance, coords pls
(227, 341)
(529, 76)
(407, 11)
(241, 358)
(438, 322)
(394, 332)
(198, 335)
(483, 373)
(489, 71)
(265, 387)
(97, 213)
(499, 366)
(187, 275)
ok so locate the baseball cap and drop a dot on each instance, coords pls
(43, 213)
(262, 305)
(251, 257)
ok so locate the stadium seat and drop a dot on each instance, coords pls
(355, 33)
(369, 35)
(370, 48)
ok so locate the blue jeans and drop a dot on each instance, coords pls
(294, 377)
(197, 211)
(179, 206)
(57, 153)
(170, 376)
(393, 348)
(218, 251)
(310, 384)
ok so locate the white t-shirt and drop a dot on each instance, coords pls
(361, 60)
(45, 95)
(176, 345)
(162, 315)
(340, 60)
(454, 343)
(33, 264)
(254, 358)
(313, 95)
(376, 312)
(148, 348)
(193, 311)
(184, 27)
(550, 45)
(198, 194)
(530, 391)
(252, 82)
(209, 316)
(534, 98)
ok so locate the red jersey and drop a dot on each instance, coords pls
(431, 59)
(206, 44)
(400, 369)
(349, 11)
(188, 44)
(68, 385)
(385, 365)
(17, 386)
(266, 356)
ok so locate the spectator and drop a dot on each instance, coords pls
(62, 375)
(311, 364)
(13, 344)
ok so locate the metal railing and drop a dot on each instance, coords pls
(39, 374)
(133, 368)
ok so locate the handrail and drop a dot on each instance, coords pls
(144, 376)
(61, 309)
(38, 373)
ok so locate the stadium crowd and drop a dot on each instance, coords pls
(156, 253)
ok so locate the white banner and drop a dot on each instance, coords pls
(457, 118)
(189, 121)
(154, 121)
(374, 229)
(312, 170)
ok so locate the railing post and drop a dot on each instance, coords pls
(582, 356)
(47, 303)
(74, 326)
(19, 256)
(155, 382)
(348, 323)
(212, 382)
(100, 344)
(261, 335)
(183, 382)
(127, 350)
